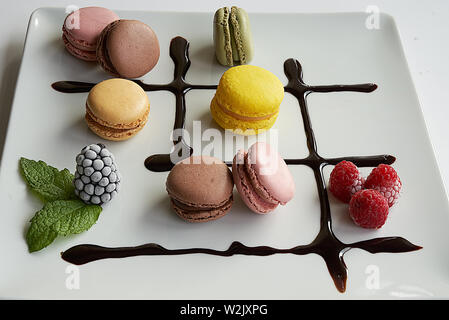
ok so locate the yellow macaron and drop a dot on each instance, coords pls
(116, 109)
(247, 100)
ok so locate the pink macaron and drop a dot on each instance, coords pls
(262, 178)
(82, 29)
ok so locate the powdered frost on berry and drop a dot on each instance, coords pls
(97, 178)
(345, 180)
(385, 179)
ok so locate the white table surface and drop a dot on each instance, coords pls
(423, 26)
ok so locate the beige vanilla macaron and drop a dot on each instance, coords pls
(117, 109)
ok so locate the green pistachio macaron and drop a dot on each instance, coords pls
(232, 36)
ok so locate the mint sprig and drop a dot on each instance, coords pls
(63, 213)
(60, 218)
(47, 182)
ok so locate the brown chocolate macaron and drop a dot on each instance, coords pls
(200, 188)
(128, 48)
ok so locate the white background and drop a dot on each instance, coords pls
(423, 26)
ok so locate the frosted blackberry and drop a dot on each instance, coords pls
(97, 179)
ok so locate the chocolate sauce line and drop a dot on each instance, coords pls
(85, 253)
(367, 87)
(368, 161)
(84, 87)
(325, 244)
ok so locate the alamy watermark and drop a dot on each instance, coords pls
(372, 280)
(217, 143)
(74, 21)
(372, 22)
(72, 281)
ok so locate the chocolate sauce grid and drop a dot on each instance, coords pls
(326, 244)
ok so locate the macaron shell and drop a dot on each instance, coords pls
(83, 27)
(245, 189)
(118, 103)
(250, 91)
(79, 53)
(132, 48)
(239, 126)
(271, 172)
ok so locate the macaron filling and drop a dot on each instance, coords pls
(80, 44)
(202, 215)
(242, 117)
(119, 126)
(237, 36)
(77, 52)
(199, 208)
(227, 36)
(116, 130)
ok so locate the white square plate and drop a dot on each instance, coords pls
(333, 49)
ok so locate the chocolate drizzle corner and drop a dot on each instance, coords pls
(325, 244)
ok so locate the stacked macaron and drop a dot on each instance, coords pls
(82, 28)
(200, 187)
(247, 100)
(124, 48)
(117, 109)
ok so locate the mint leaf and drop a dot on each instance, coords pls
(61, 217)
(47, 182)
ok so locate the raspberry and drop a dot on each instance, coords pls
(345, 180)
(368, 209)
(385, 180)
